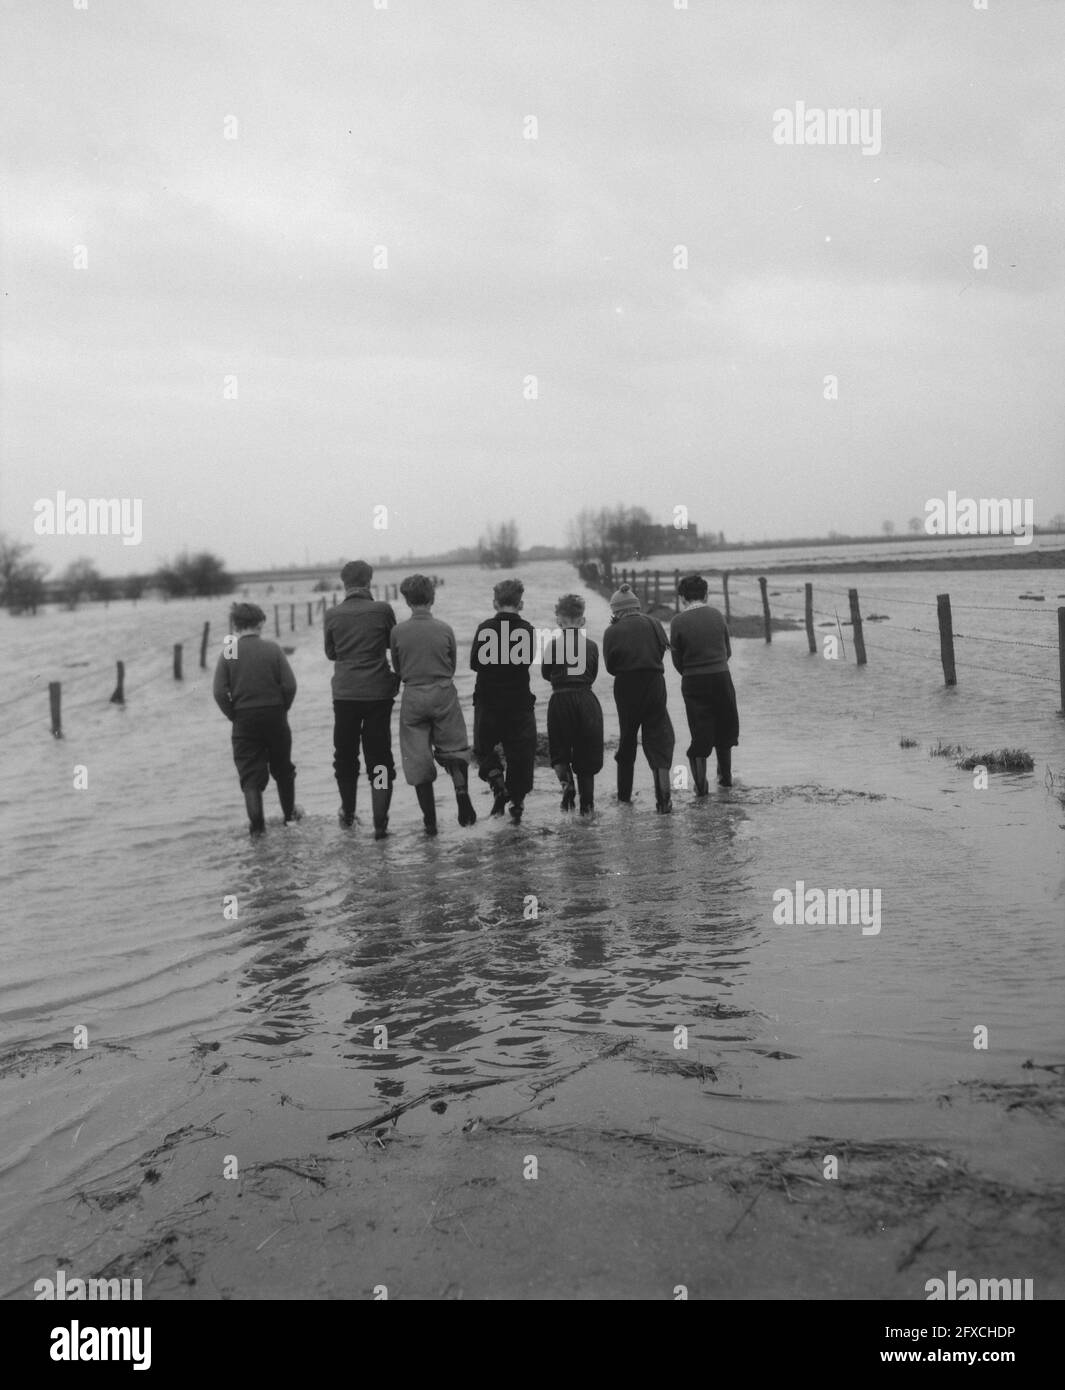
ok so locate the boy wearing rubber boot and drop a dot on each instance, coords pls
(254, 688)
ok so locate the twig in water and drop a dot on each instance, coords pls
(915, 1250)
(749, 1208)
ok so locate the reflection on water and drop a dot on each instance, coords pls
(489, 954)
(641, 923)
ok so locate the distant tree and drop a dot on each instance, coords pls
(104, 590)
(21, 579)
(499, 547)
(888, 528)
(202, 575)
(133, 586)
(916, 525)
(80, 580)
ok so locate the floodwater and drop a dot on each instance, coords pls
(490, 950)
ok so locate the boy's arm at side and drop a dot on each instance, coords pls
(452, 649)
(475, 660)
(393, 651)
(608, 654)
(330, 645)
(676, 649)
(220, 688)
(288, 680)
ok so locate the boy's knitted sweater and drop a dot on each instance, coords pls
(634, 643)
(699, 641)
(258, 677)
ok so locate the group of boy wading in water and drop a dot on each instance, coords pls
(374, 656)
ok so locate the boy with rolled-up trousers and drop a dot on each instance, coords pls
(431, 727)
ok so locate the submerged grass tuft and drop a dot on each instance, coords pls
(1001, 760)
(947, 750)
(907, 742)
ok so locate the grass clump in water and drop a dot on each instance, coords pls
(1001, 760)
(947, 750)
(907, 742)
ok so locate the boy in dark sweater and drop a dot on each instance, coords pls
(430, 717)
(700, 647)
(574, 715)
(254, 688)
(632, 649)
(502, 653)
(364, 689)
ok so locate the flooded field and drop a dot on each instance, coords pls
(532, 981)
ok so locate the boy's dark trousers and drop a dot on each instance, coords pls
(640, 697)
(513, 726)
(368, 722)
(262, 748)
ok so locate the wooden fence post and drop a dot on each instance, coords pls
(292, 617)
(54, 697)
(766, 619)
(724, 589)
(810, 619)
(1061, 655)
(676, 591)
(856, 621)
(658, 579)
(177, 661)
(946, 638)
(277, 621)
(310, 613)
(646, 589)
(334, 598)
(203, 646)
(119, 697)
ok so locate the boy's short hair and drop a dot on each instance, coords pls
(356, 574)
(570, 606)
(419, 590)
(508, 592)
(243, 616)
(692, 586)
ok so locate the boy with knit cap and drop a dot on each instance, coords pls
(574, 715)
(430, 718)
(502, 653)
(254, 688)
(700, 647)
(632, 649)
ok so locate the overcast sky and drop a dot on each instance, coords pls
(510, 257)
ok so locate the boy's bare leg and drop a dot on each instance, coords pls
(565, 776)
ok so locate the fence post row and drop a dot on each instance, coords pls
(856, 627)
(119, 697)
(810, 638)
(765, 610)
(54, 697)
(1061, 655)
(946, 638)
